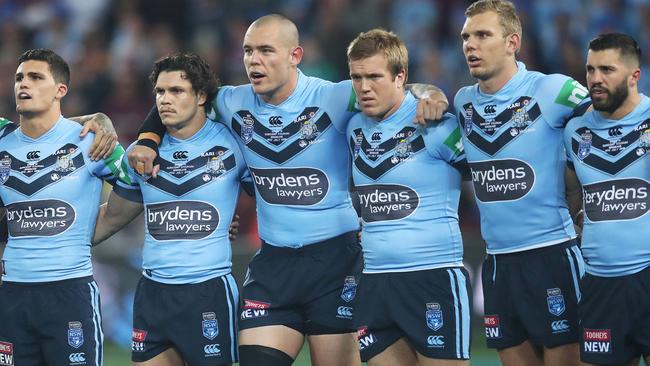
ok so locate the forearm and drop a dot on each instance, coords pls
(573, 194)
(421, 91)
(152, 127)
(113, 216)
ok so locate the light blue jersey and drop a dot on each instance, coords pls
(297, 155)
(408, 190)
(611, 160)
(189, 206)
(513, 142)
(50, 222)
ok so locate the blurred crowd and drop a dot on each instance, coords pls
(112, 44)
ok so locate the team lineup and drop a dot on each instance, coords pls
(357, 186)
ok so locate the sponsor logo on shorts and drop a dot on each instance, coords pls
(291, 186)
(349, 289)
(75, 334)
(366, 339)
(436, 341)
(384, 202)
(345, 312)
(77, 358)
(39, 218)
(560, 326)
(597, 340)
(555, 301)
(181, 220)
(621, 199)
(492, 328)
(6, 354)
(434, 316)
(137, 340)
(502, 180)
(212, 350)
(254, 309)
(210, 325)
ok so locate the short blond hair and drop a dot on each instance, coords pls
(380, 41)
(506, 11)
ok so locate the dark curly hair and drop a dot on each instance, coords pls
(197, 71)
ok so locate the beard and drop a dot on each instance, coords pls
(614, 99)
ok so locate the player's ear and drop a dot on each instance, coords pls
(513, 43)
(296, 55)
(61, 90)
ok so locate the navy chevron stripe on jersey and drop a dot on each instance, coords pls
(384, 147)
(492, 126)
(29, 188)
(377, 171)
(192, 183)
(322, 124)
(179, 171)
(277, 136)
(492, 147)
(7, 129)
(615, 144)
(606, 166)
(28, 169)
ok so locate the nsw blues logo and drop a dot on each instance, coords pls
(75, 334)
(210, 326)
(247, 128)
(555, 301)
(585, 144)
(469, 120)
(5, 169)
(349, 289)
(434, 316)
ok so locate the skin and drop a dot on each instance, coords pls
(490, 54)
(379, 93)
(179, 106)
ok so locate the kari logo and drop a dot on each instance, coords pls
(6, 354)
(597, 340)
(492, 329)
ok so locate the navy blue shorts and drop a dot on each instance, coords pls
(199, 320)
(533, 295)
(308, 289)
(50, 323)
(615, 318)
(430, 308)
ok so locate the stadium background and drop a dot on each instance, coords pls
(111, 46)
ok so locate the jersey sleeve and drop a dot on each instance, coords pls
(128, 188)
(567, 138)
(112, 168)
(152, 127)
(6, 127)
(221, 110)
(343, 99)
(561, 98)
(443, 141)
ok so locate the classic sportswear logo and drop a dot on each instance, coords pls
(344, 312)
(39, 218)
(490, 109)
(181, 220)
(77, 358)
(384, 202)
(33, 155)
(212, 349)
(621, 199)
(502, 180)
(560, 326)
(436, 341)
(179, 155)
(291, 186)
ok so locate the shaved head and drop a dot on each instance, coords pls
(283, 27)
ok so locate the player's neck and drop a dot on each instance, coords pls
(283, 92)
(496, 82)
(633, 100)
(189, 129)
(35, 125)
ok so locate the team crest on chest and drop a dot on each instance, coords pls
(5, 168)
(434, 316)
(520, 118)
(555, 301)
(210, 326)
(214, 167)
(585, 144)
(75, 334)
(64, 162)
(402, 150)
(349, 289)
(644, 142)
(247, 128)
(308, 132)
